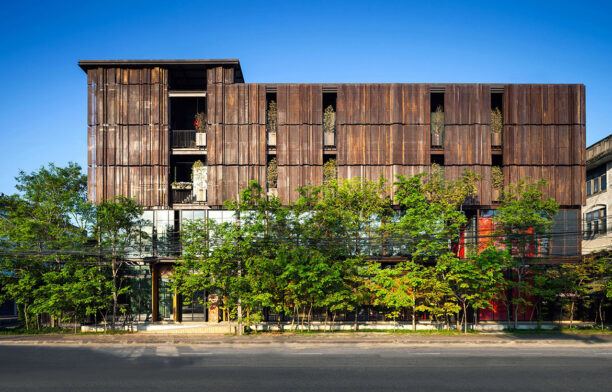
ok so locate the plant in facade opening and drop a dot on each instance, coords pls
(199, 175)
(330, 170)
(437, 121)
(199, 122)
(181, 185)
(329, 120)
(272, 173)
(271, 117)
(497, 178)
(497, 121)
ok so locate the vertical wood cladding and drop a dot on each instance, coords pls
(545, 137)
(383, 124)
(299, 138)
(236, 135)
(467, 135)
(383, 130)
(127, 118)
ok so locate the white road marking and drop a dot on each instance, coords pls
(167, 351)
(196, 353)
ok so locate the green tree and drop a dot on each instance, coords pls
(406, 286)
(582, 281)
(524, 220)
(431, 219)
(341, 219)
(44, 237)
(476, 280)
(118, 231)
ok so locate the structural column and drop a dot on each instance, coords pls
(177, 308)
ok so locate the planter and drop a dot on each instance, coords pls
(200, 195)
(200, 139)
(181, 186)
(329, 139)
(437, 139)
(496, 139)
(495, 195)
(272, 139)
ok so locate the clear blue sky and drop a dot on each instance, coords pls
(43, 92)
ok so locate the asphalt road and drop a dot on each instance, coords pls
(304, 368)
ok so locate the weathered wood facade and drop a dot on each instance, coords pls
(545, 137)
(127, 118)
(381, 130)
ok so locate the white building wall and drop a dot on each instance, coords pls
(594, 202)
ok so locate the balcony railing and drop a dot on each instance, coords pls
(182, 196)
(184, 138)
(188, 196)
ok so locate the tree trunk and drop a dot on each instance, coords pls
(464, 318)
(310, 318)
(572, 306)
(115, 293)
(280, 322)
(518, 300)
(413, 319)
(356, 319)
(333, 321)
(599, 310)
(25, 315)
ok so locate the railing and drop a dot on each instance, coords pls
(183, 138)
(182, 196)
(188, 196)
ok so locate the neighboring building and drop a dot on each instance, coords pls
(143, 143)
(597, 229)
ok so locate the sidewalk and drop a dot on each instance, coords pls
(364, 338)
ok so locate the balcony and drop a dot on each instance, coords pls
(189, 140)
(183, 193)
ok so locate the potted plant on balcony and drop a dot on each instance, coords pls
(497, 125)
(497, 182)
(181, 185)
(329, 126)
(272, 177)
(199, 175)
(271, 116)
(437, 127)
(201, 126)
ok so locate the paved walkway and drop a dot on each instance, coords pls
(368, 338)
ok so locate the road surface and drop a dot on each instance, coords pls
(304, 368)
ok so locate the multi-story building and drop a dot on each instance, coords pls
(597, 227)
(144, 143)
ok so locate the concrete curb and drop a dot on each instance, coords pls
(159, 339)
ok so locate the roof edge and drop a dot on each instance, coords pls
(88, 64)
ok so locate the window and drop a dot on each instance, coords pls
(596, 180)
(564, 236)
(596, 223)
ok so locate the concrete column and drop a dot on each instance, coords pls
(177, 308)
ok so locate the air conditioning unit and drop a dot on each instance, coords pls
(201, 139)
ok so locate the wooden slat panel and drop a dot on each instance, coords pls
(484, 186)
(290, 178)
(467, 144)
(300, 134)
(466, 104)
(127, 155)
